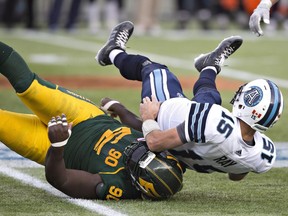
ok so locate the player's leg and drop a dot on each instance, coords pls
(45, 99)
(156, 78)
(204, 89)
(25, 134)
(209, 65)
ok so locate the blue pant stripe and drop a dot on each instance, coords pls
(158, 80)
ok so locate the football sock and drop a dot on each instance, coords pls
(114, 53)
(207, 78)
(14, 68)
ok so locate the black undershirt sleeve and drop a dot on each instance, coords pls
(181, 132)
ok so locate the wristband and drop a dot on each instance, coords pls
(148, 126)
(62, 143)
(108, 105)
(266, 3)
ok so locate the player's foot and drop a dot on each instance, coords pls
(118, 38)
(217, 57)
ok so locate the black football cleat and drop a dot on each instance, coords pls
(217, 57)
(118, 38)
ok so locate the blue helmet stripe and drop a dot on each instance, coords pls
(274, 104)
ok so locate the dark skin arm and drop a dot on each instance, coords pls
(158, 140)
(74, 183)
(126, 116)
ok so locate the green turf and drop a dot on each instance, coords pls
(214, 194)
(20, 199)
(203, 194)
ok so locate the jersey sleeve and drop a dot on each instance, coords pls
(196, 122)
(267, 154)
(117, 186)
(206, 123)
(181, 132)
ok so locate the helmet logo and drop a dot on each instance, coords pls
(255, 115)
(253, 96)
(149, 187)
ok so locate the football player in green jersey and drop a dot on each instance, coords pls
(97, 158)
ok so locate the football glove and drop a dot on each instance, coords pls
(261, 13)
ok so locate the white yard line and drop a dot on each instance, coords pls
(34, 182)
(93, 47)
(9, 160)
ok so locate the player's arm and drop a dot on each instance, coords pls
(261, 13)
(236, 177)
(156, 139)
(115, 108)
(74, 183)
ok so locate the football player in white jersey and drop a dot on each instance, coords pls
(201, 133)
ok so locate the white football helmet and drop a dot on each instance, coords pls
(258, 103)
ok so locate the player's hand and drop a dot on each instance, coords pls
(261, 13)
(149, 108)
(108, 106)
(59, 130)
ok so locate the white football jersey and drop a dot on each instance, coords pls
(213, 140)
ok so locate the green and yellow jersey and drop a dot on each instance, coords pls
(100, 150)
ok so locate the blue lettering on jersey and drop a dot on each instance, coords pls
(224, 127)
(225, 161)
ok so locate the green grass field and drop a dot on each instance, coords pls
(203, 194)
